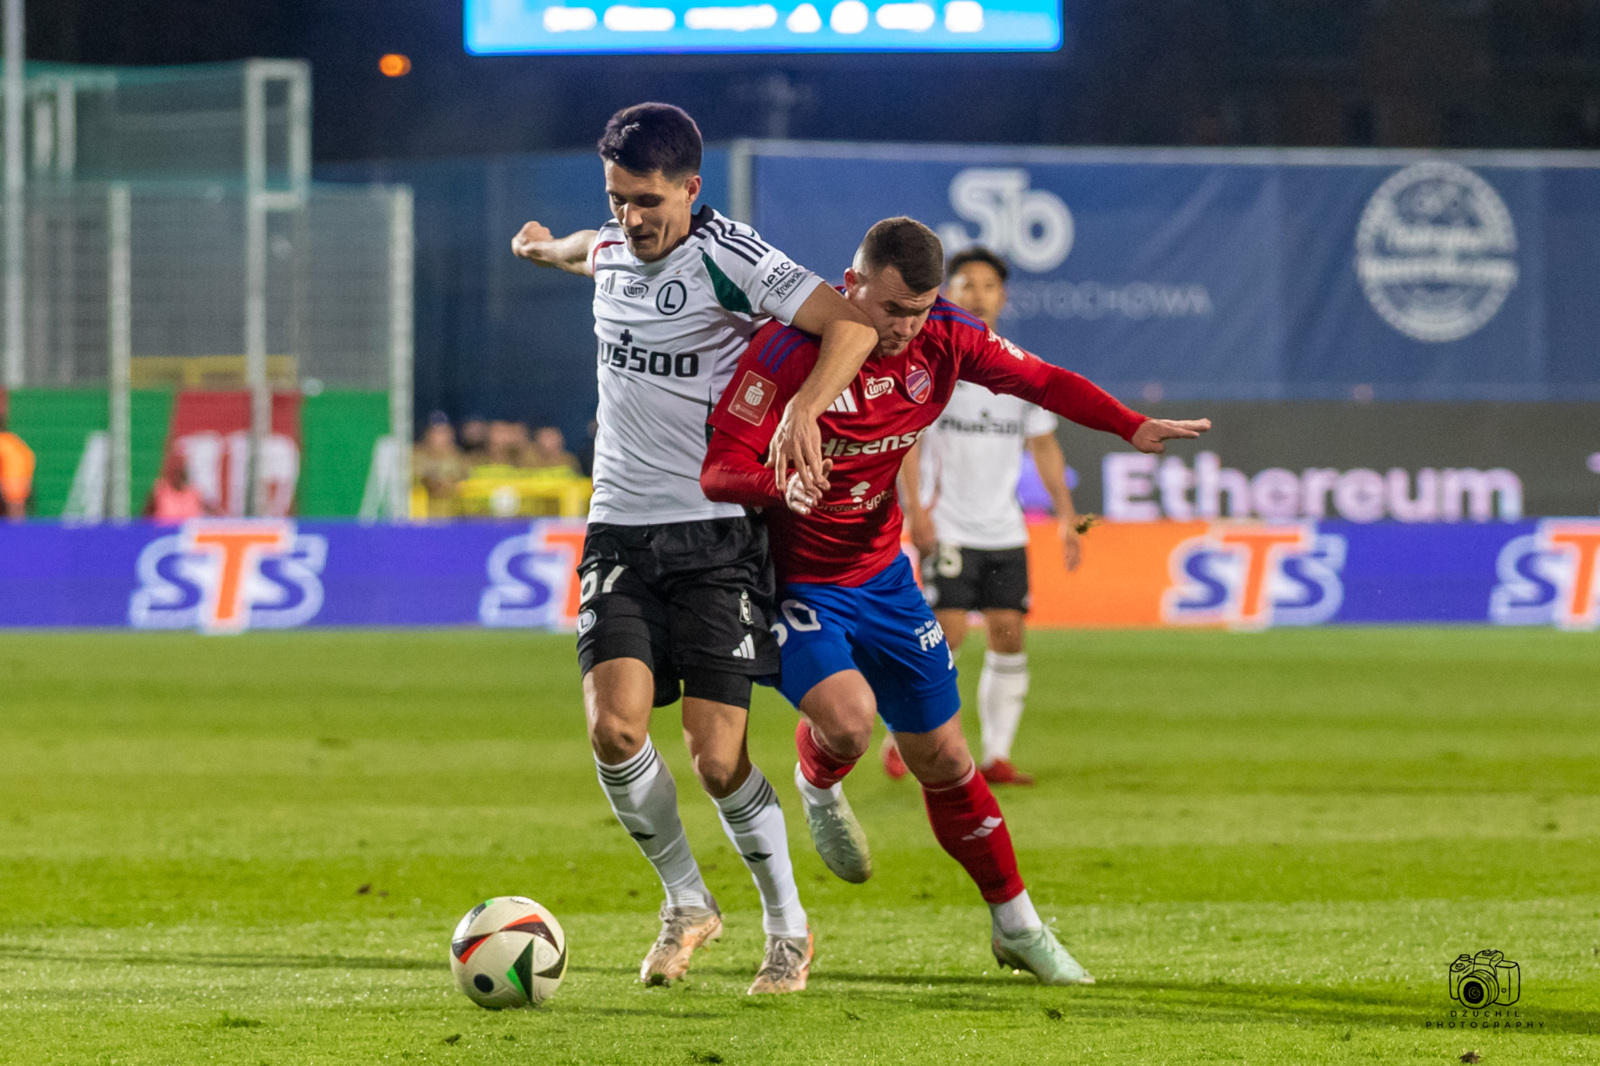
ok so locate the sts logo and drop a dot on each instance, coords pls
(1550, 577)
(530, 578)
(229, 575)
(1255, 576)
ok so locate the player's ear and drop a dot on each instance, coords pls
(692, 187)
(852, 280)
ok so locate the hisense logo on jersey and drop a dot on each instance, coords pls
(835, 447)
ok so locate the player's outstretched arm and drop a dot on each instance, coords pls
(1152, 431)
(1001, 366)
(535, 243)
(847, 339)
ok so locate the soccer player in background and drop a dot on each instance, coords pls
(958, 486)
(857, 638)
(675, 587)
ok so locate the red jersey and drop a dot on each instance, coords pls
(854, 530)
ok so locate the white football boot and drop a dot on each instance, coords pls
(1039, 952)
(836, 834)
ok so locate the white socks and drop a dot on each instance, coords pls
(1002, 689)
(817, 797)
(1015, 915)
(645, 800)
(754, 822)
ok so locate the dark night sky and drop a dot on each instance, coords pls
(1511, 73)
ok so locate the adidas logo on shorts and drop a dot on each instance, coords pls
(746, 648)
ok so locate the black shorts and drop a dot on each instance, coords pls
(974, 579)
(690, 599)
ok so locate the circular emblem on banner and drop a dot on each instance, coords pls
(671, 298)
(1436, 251)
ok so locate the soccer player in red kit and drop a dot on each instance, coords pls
(857, 638)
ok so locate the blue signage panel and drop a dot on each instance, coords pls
(502, 27)
(1251, 276)
(227, 576)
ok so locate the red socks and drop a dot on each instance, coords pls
(967, 821)
(820, 766)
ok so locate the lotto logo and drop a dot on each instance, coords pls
(226, 576)
(1550, 577)
(530, 580)
(1255, 576)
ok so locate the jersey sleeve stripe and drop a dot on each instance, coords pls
(735, 249)
(731, 233)
(945, 307)
(778, 348)
(777, 338)
(969, 323)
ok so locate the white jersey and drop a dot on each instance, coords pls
(971, 462)
(671, 333)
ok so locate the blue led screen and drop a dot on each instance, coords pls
(505, 27)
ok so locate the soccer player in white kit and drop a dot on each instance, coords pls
(674, 588)
(959, 492)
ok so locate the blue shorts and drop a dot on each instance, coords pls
(884, 629)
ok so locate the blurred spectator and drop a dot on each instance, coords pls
(508, 444)
(437, 464)
(548, 450)
(16, 472)
(173, 499)
(475, 439)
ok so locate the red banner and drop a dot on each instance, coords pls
(211, 431)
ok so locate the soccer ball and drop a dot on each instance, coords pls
(508, 952)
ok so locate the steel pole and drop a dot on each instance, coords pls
(16, 176)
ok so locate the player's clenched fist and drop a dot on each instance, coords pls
(1148, 437)
(528, 237)
(799, 497)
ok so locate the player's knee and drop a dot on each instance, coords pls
(845, 722)
(1005, 633)
(720, 773)
(842, 709)
(614, 737)
(944, 760)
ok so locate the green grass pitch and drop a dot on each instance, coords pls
(1267, 847)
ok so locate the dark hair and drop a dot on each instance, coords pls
(909, 247)
(977, 253)
(648, 137)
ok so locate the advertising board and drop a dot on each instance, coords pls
(230, 575)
